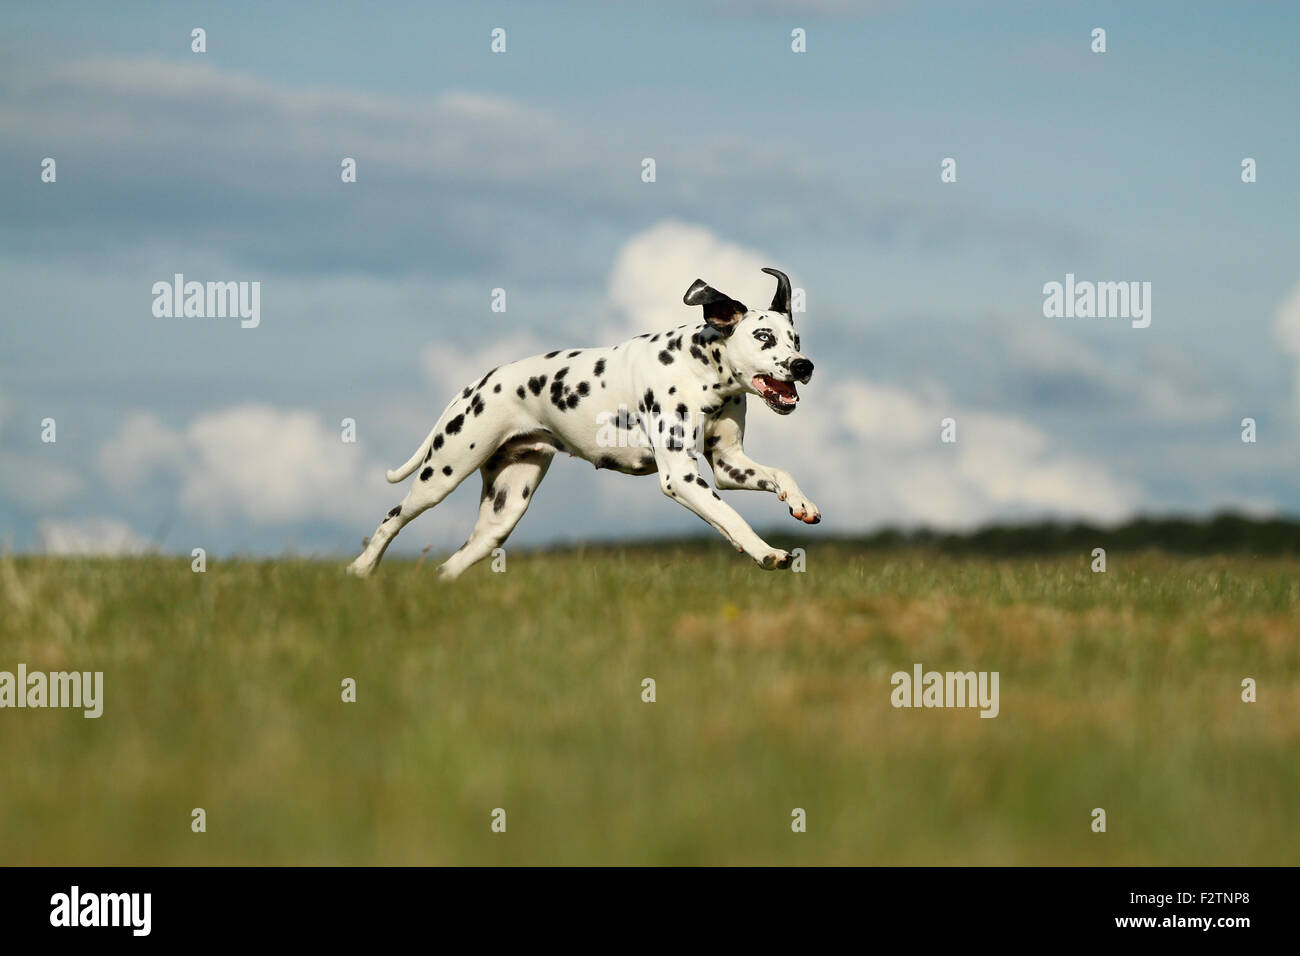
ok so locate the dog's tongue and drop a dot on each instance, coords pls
(785, 389)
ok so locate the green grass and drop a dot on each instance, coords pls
(522, 690)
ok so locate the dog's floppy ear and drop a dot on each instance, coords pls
(720, 310)
(780, 301)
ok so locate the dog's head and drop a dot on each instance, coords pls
(762, 346)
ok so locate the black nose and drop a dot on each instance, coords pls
(801, 369)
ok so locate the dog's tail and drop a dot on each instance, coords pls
(412, 463)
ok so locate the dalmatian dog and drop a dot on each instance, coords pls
(650, 405)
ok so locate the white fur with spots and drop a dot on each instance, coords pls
(680, 395)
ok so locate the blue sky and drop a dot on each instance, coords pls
(522, 171)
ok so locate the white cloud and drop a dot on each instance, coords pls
(252, 461)
(89, 536)
(1286, 328)
(653, 269)
(868, 454)
(871, 455)
(1171, 387)
(449, 369)
(33, 480)
(142, 445)
(478, 136)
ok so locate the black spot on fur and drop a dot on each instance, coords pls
(583, 388)
(424, 475)
(477, 405)
(465, 394)
(446, 470)
(574, 354)
(499, 501)
(496, 388)
(453, 426)
(536, 384)
(682, 411)
(665, 357)
(697, 354)
(673, 390)
(606, 461)
(599, 370)
(701, 482)
(552, 354)
(437, 441)
(525, 491)
(395, 512)
(520, 391)
(561, 373)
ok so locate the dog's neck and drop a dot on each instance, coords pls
(708, 339)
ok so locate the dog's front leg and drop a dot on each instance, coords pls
(680, 479)
(733, 469)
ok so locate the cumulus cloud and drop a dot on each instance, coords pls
(449, 368)
(35, 481)
(103, 537)
(653, 269)
(868, 453)
(257, 462)
(1171, 387)
(871, 455)
(1286, 328)
(487, 159)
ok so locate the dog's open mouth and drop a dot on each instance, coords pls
(780, 396)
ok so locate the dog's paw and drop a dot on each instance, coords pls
(776, 560)
(804, 510)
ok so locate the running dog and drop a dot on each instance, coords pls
(646, 406)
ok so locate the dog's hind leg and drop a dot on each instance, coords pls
(509, 483)
(458, 445)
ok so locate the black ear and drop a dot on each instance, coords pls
(780, 301)
(720, 310)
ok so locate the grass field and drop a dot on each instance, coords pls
(522, 691)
